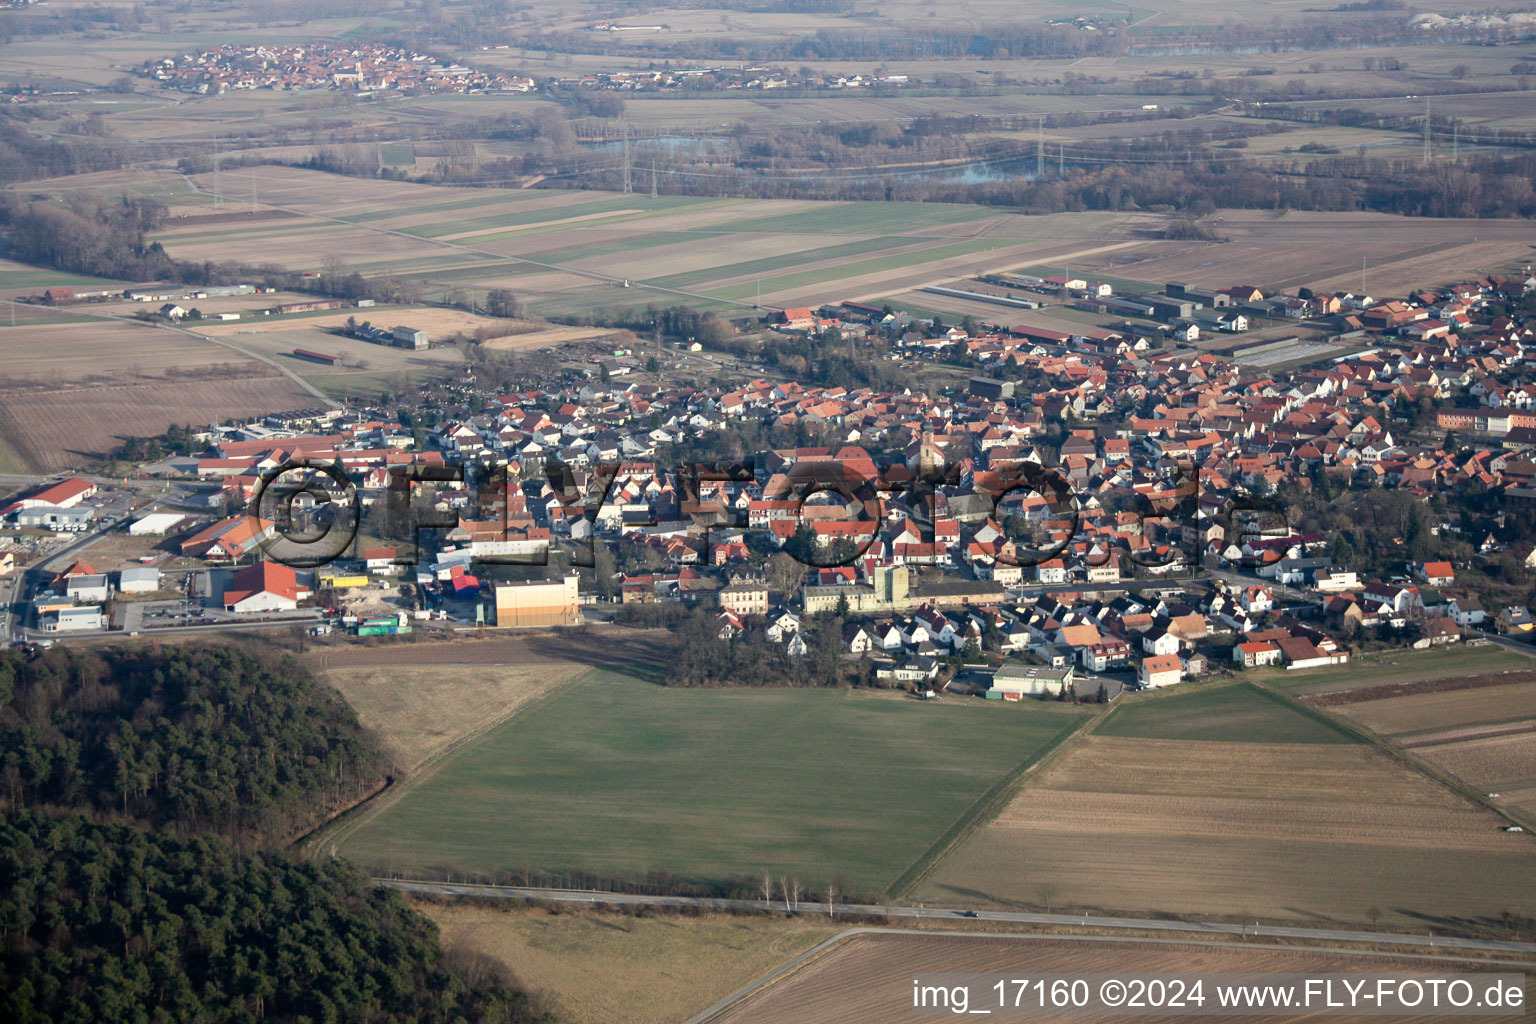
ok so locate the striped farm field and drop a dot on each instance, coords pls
(1227, 802)
(1478, 728)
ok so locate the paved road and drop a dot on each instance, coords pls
(952, 914)
(1509, 643)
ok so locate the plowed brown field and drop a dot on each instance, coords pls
(868, 978)
(1310, 831)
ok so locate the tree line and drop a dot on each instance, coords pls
(185, 738)
(111, 922)
(144, 794)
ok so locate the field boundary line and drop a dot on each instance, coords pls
(341, 828)
(1407, 758)
(782, 972)
(1303, 708)
(987, 806)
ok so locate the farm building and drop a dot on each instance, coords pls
(316, 357)
(264, 587)
(537, 603)
(1015, 682)
(139, 580)
(156, 524)
(409, 337)
(64, 494)
(308, 306)
(1160, 670)
(56, 518)
(1299, 652)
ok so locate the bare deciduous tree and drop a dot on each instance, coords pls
(791, 888)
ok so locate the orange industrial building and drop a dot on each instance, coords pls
(538, 603)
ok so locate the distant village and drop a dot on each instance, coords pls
(364, 67)
(930, 593)
(369, 68)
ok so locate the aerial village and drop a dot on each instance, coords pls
(372, 68)
(941, 588)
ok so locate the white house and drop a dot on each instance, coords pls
(87, 589)
(1335, 579)
(1051, 572)
(1257, 599)
(1160, 670)
(1159, 640)
(1256, 653)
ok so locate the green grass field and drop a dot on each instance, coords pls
(1234, 714)
(397, 154)
(489, 223)
(874, 265)
(39, 278)
(866, 218)
(1396, 666)
(773, 264)
(500, 196)
(632, 244)
(617, 776)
